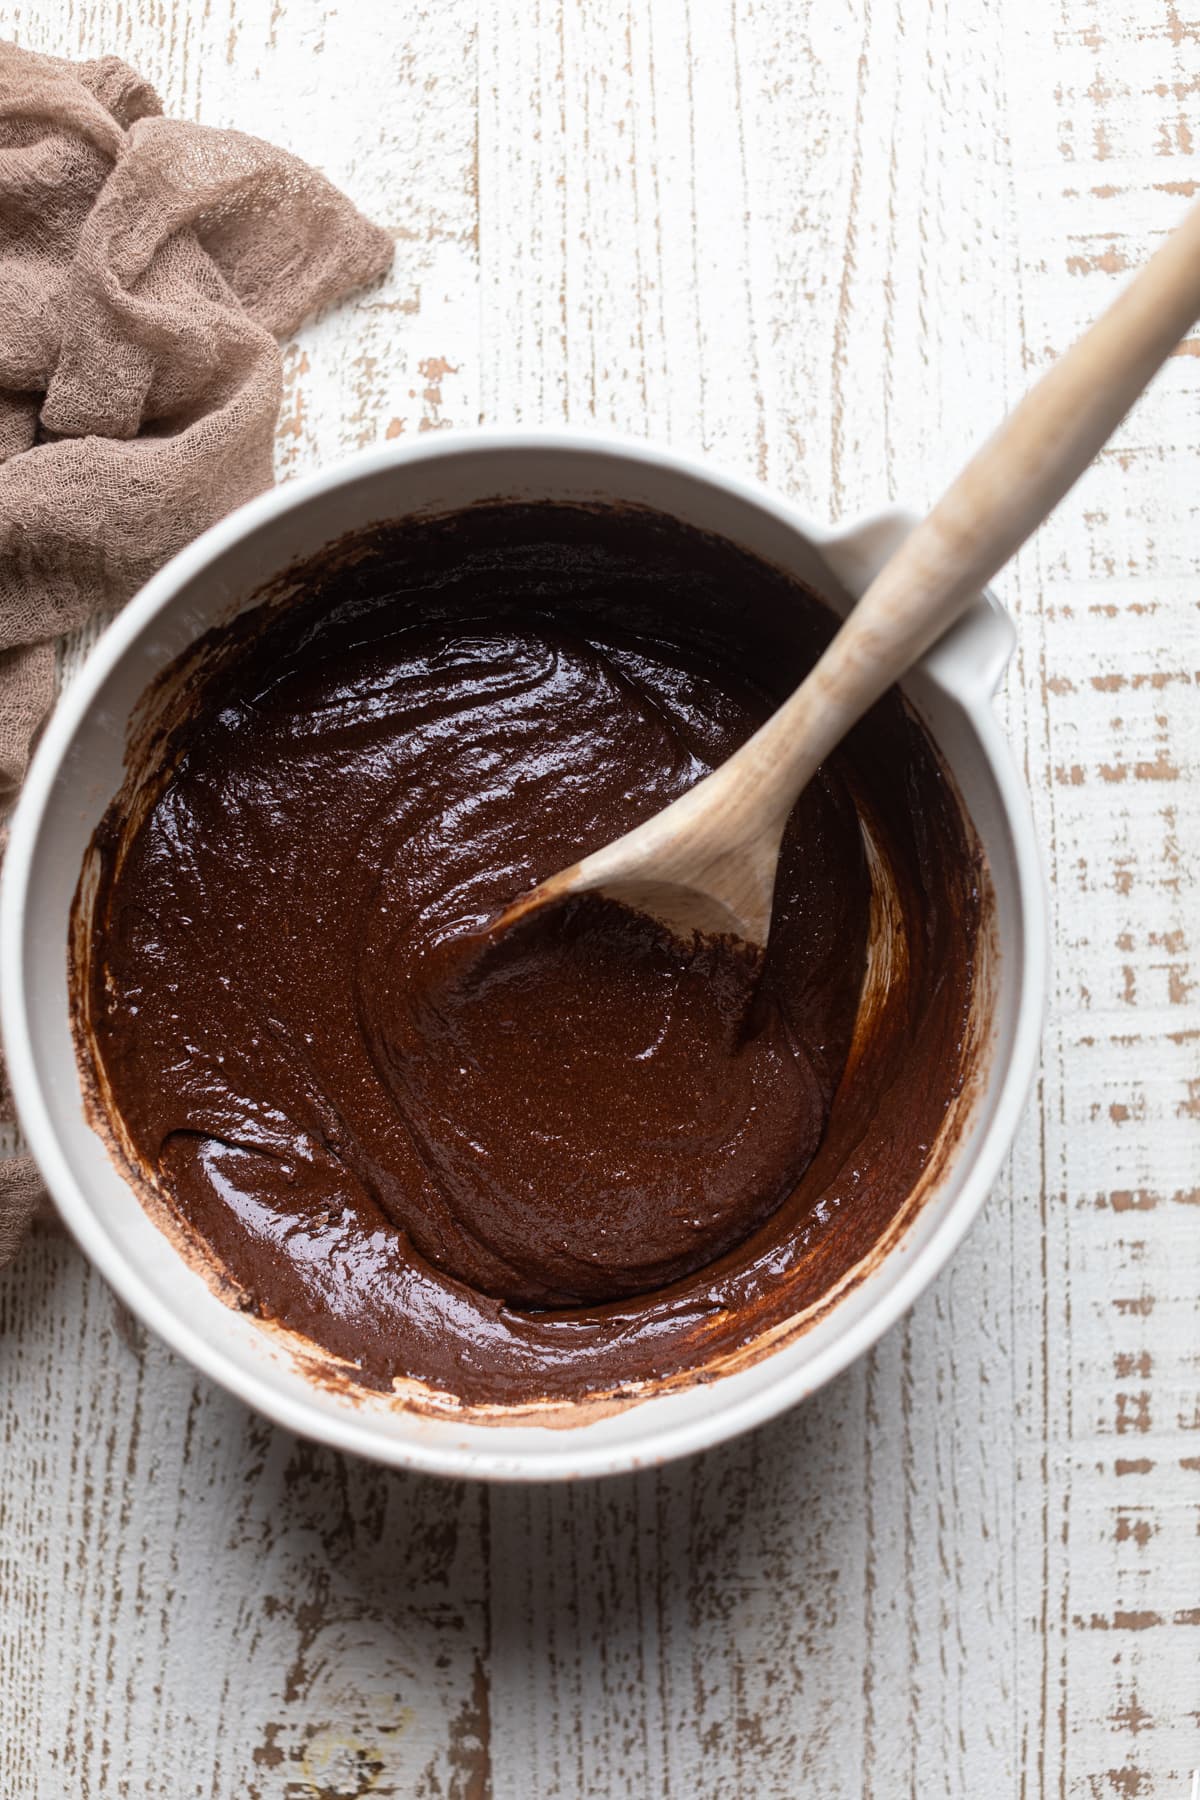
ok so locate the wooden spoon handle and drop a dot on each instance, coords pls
(1006, 490)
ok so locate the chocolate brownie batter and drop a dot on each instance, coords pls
(564, 1159)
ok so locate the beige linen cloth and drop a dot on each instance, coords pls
(147, 266)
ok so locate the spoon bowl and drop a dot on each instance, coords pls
(704, 879)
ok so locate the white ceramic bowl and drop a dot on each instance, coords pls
(78, 768)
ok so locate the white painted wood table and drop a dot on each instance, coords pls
(831, 240)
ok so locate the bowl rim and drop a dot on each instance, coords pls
(348, 1428)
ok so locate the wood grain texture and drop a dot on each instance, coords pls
(831, 242)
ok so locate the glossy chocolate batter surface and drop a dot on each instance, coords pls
(570, 1158)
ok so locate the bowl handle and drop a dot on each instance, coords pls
(974, 653)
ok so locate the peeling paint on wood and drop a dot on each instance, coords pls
(830, 244)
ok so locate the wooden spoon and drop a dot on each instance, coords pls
(707, 862)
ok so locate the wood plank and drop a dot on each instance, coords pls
(191, 1601)
(801, 1610)
(948, 1657)
(1108, 608)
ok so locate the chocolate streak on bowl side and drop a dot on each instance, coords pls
(574, 1162)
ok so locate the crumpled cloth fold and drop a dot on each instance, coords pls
(147, 266)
